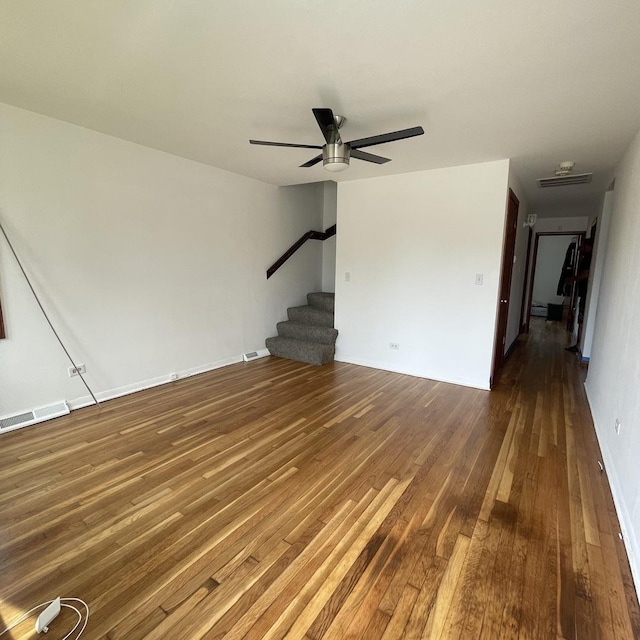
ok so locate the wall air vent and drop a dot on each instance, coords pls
(41, 414)
(254, 355)
(564, 181)
(14, 421)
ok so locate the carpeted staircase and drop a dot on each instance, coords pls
(308, 336)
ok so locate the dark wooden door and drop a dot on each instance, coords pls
(508, 251)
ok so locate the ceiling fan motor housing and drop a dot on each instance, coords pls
(335, 156)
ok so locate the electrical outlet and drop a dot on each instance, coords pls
(74, 371)
(395, 346)
(617, 426)
(173, 377)
(479, 278)
(347, 277)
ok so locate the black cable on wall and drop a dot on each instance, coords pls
(44, 313)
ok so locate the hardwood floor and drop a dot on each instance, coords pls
(279, 500)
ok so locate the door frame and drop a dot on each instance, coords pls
(532, 272)
(523, 307)
(504, 290)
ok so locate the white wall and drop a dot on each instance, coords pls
(613, 381)
(519, 263)
(148, 263)
(413, 244)
(551, 254)
(329, 218)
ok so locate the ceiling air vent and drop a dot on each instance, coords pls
(564, 181)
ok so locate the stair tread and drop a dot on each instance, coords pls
(306, 331)
(306, 314)
(322, 300)
(300, 350)
(297, 341)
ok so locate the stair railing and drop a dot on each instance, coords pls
(310, 235)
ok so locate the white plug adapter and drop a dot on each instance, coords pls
(48, 616)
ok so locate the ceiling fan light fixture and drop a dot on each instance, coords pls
(335, 164)
(335, 157)
(565, 168)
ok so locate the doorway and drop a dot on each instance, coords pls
(551, 292)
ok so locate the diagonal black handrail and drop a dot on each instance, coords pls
(310, 235)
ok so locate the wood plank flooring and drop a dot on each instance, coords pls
(279, 500)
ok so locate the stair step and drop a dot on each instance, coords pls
(300, 350)
(308, 332)
(310, 315)
(322, 300)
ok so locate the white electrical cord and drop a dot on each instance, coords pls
(63, 602)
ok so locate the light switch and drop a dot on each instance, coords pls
(479, 278)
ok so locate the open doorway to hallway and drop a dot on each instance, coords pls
(552, 290)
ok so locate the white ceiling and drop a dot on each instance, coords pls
(536, 81)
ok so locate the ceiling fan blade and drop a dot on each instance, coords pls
(285, 144)
(386, 137)
(327, 124)
(369, 157)
(313, 161)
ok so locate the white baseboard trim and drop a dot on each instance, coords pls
(110, 394)
(474, 384)
(118, 392)
(629, 538)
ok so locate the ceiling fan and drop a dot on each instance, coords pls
(336, 153)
